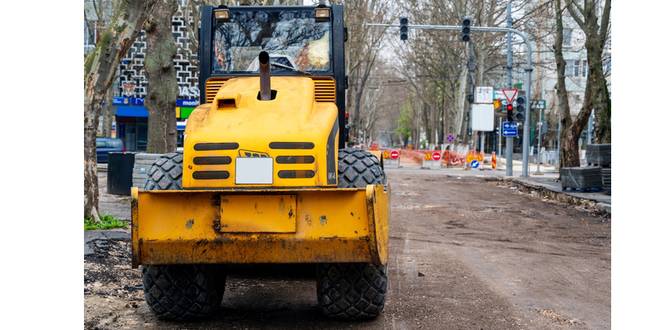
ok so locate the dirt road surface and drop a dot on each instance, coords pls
(465, 253)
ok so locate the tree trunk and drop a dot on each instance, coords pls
(163, 88)
(107, 113)
(100, 70)
(602, 102)
(570, 146)
(427, 121)
(459, 107)
(569, 149)
(443, 118)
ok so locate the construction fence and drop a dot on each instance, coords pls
(445, 157)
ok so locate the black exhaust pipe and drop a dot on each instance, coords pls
(264, 76)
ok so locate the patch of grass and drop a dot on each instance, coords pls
(107, 222)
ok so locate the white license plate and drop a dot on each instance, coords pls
(254, 170)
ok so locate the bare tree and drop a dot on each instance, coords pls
(570, 135)
(587, 17)
(435, 62)
(100, 69)
(101, 11)
(159, 68)
(362, 49)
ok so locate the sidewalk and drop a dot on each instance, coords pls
(548, 181)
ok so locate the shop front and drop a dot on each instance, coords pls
(132, 118)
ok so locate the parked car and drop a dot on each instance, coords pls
(105, 146)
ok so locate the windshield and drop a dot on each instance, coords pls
(292, 37)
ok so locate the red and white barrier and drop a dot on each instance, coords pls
(392, 158)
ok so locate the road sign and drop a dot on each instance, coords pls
(474, 164)
(450, 138)
(537, 104)
(483, 94)
(394, 154)
(497, 104)
(509, 129)
(482, 117)
(436, 155)
(509, 94)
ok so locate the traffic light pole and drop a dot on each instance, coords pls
(509, 70)
(528, 70)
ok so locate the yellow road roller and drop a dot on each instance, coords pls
(265, 176)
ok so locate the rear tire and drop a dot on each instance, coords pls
(165, 173)
(179, 292)
(359, 168)
(353, 291)
(183, 292)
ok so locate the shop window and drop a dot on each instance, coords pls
(141, 136)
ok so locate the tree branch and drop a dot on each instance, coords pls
(573, 10)
(605, 23)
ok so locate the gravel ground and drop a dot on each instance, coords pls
(464, 253)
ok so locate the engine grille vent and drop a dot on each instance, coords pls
(213, 85)
(324, 90)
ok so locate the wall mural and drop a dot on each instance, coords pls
(132, 81)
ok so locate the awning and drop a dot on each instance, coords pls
(131, 111)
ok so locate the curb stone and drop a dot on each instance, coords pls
(562, 196)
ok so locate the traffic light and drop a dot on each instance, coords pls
(466, 28)
(520, 109)
(509, 112)
(403, 28)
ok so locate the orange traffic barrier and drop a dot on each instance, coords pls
(452, 158)
(470, 157)
(480, 157)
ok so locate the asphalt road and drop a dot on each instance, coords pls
(464, 253)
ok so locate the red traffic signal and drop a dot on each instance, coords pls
(509, 107)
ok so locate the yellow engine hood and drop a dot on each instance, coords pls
(298, 133)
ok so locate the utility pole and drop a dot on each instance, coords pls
(509, 69)
(499, 141)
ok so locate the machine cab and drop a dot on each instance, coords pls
(309, 39)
